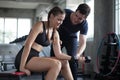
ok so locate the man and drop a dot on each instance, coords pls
(74, 22)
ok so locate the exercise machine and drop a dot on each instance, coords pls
(108, 55)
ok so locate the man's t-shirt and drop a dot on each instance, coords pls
(68, 31)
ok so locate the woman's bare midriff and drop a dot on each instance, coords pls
(37, 47)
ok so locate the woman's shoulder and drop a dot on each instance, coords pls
(39, 23)
(38, 26)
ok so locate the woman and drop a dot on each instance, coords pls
(42, 34)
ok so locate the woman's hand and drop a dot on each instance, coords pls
(84, 59)
(81, 59)
(26, 71)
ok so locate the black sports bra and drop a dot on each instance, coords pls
(42, 38)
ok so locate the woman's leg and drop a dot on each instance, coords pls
(66, 71)
(52, 66)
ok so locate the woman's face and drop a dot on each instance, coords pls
(57, 20)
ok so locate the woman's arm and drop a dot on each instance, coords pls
(57, 48)
(36, 29)
(60, 55)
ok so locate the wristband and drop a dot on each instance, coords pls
(74, 61)
(75, 57)
(72, 58)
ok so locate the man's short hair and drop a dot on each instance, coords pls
(84, 9)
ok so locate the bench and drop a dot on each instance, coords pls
(13, 75)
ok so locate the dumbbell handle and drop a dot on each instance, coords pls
(87, 59)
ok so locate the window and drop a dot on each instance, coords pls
(23, 26)
(1, 30)
(12, 28)
(90, 19)
(117, 16)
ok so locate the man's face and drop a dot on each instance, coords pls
(78, 18)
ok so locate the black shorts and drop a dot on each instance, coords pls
(33, 53)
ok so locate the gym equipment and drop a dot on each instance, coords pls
(11, 75)
(74, 60)
(108, 55)
(87, 59)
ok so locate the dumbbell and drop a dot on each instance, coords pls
(87, 59)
